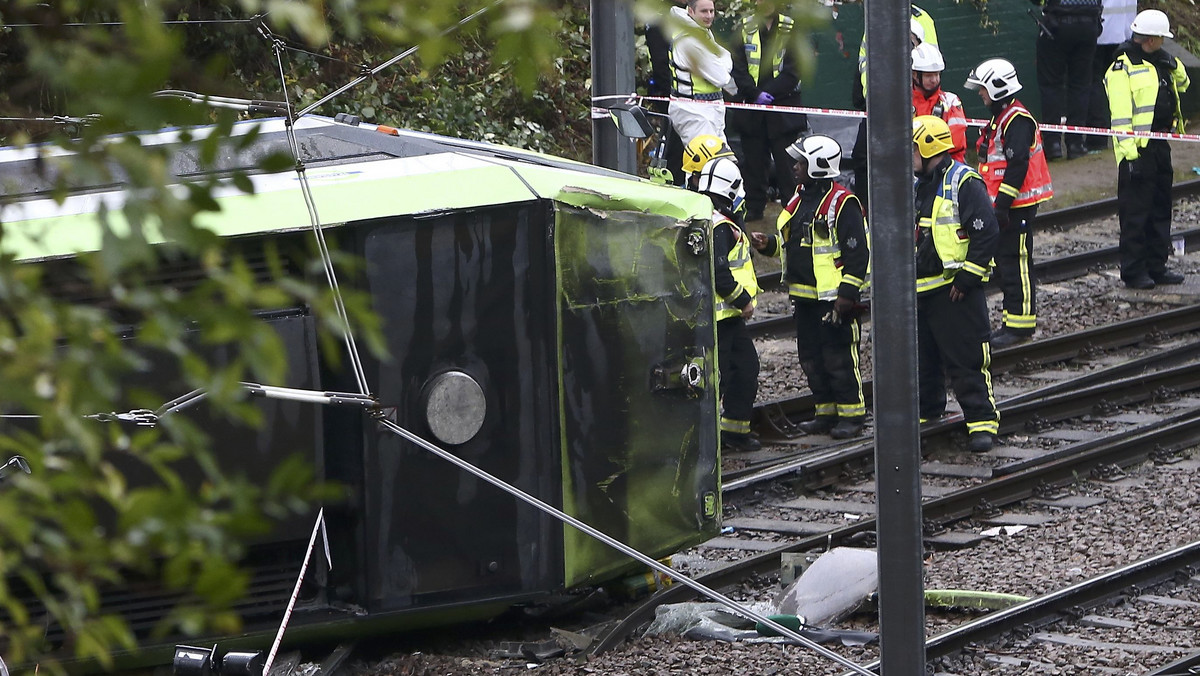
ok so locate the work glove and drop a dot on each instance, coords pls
(843, 307)
(764, 99)
(1002, 217)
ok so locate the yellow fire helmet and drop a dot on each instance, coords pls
(931, 135)
(702, 149)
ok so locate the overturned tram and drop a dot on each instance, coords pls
(547, 321)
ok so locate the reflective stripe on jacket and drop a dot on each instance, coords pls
(944, 225)
(742, 267)
(820, 242)
(1132, 91)
(752, 40)
(1036, 187)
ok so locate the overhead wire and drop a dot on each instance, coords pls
(392, 61)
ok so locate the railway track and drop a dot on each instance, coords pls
(1126, 395)
(1046, 271)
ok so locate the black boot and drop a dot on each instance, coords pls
(731, 441)
(821, 424)
(980, 442)
(848, 428)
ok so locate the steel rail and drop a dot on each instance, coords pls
(1046, 271)
(1124, 450)
(1049, 607)
(1155, 360)
(816, 470)
(775, 414)
(1187, 666)
(1055, 218)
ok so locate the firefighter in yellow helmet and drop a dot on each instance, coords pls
(735, 285)
(698, 152)
(955, 241)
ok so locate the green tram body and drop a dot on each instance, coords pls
(571, 295)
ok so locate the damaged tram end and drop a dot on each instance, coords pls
(549, 324)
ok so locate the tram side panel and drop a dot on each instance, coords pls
(638, 363)
(466, 301)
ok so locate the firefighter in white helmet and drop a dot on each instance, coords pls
(735, 285)
(1013, 165)
(1143, 88)
(822, 242)
(929, 98)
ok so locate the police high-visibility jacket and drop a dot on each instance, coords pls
(947, 106)
(1133, 89)
(733, 276)
(946, 246)
(926, 22)
(822, 243)
(752, 41)
(994, 157)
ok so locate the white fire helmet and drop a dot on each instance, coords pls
(927, 58)
(997, 76)
(822, 153)
(722, 177)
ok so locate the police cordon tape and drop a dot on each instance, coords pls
(600, 113)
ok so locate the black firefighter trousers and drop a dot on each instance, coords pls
(1014, 271)
(952, 341)
(829, 356)
(1145, 212)
(737, 360)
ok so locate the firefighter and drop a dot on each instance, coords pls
(1143, 88)
(700, 70)
(930, 99)
(1013, 166)
(699, 152)
(736, 286)
(765, 73)
(955, 241)
(822, 242)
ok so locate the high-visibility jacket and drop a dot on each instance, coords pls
(685, 83)
(923, 18)
(752, 41)
(1133, 89)
(993, 161)
(742, 267)
(944, 227)
(947, 106)
(819, 272)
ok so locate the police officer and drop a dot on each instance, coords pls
(956, 239)
(736, 285)
(765, 73)
(1066, 43)
(1013, 165)
(1143, 88)
(930, 99)
(823, 244)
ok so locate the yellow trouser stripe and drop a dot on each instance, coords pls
(735, 426)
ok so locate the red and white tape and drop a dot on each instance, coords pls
(601, 113)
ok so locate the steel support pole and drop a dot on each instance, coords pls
(893, 308)
(612, 73)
